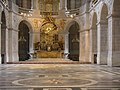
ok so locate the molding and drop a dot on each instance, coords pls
(84, 30)
(101, 23)
(113, 15)
(12, 29)
(81, 14)
(4, 27)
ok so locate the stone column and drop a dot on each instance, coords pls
(114, 41)
(82, 46)
(102, 43)
(66, 52)
(7, 45)
(93, 44)
(91, 54)
(87, 45)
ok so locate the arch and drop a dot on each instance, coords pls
(3, 38)
(73, 41)
(27, 23)
(24, 40)
(104, 12)
(66, 30)
(94, 38)
(103, 35)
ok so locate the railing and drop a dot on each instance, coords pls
(72, 12)
(25, 11)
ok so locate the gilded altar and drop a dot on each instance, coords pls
(46, 54)
(49, 36)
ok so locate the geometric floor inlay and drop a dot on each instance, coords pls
(59, 77)
(54, 82)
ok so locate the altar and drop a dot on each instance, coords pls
(51, 54)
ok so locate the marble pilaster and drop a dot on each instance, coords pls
(82, 47)
(102, 43)
(13, 44)
(87, 45)
(93, 45)
(91, 54)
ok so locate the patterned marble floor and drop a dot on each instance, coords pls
(59, 77)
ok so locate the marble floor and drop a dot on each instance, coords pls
(59, 77)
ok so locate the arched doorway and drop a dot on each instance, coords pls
(23, 43)
(74, 42)
(94, 38)
(104, 35)
(3, 38)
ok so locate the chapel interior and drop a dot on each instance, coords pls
(63, 44)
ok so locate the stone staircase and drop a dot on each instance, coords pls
(48, 61)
